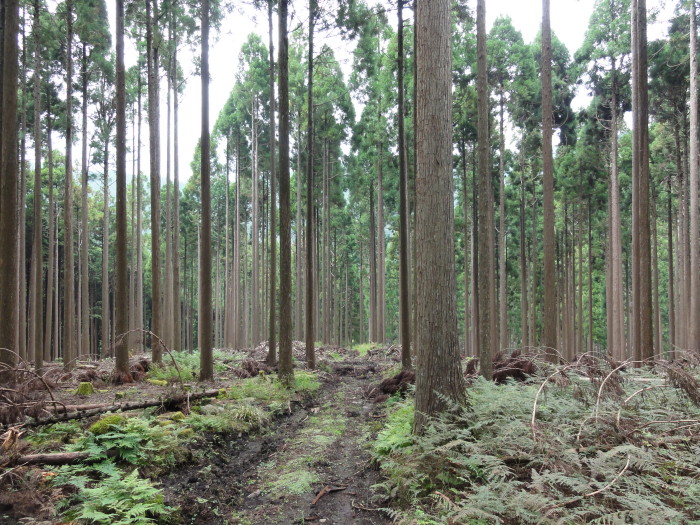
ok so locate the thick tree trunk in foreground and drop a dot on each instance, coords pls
(272, 338)
(154, 138)
(437, 342)
(37, 244)
(206, 361)
(310, 332)
(485, 275)
(694, 322)
(121, 294)
(286, 370)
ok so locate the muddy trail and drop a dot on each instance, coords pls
(312, 465)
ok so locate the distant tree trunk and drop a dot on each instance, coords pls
(502, 277)
(51, 262)
(404, 226)
(617, 328)
(168, 308)
(381, 243)
(655, 281)
(468, 347)
(641, 265)
(362, 295)
(590, 275)
(105, 254)
(177, 306)
(68, 264)
(310, 352)
(671, 279)
(373, 288)
(694, 322)
(122, 307)
(551, 315)
(37, 244)
(206, 361)
(255, 229)
(84, 252)
(524, 335)
(485, 261)
(438, 372)
(298, 239)
(154, 135)
(139, 224)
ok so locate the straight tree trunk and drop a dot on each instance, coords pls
(438, 366)
(404, 226)
(310, 352)
(655, 281)
(206, 361)
(84, 252)
(37, 244)
(524, 336)
(671, 279)
(644, 336)
(177, 306)
(154, 139)
(487, 337)
(68, 264)
(694, 322)
(139, 223)
(272, 338)
(122, 307)
(105, 255)
(373, 288)
(618, 316)
(502, 277)
(551, 315)
(51, 262)
(285, 369)
(22, 203)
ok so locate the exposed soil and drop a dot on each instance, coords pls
(310, 465)
(277, 476)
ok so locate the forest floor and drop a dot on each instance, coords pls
(277, 459)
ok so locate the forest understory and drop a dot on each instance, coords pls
(590, 441)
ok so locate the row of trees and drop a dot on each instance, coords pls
(567, 251)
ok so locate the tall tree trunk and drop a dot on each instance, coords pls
(121, 309)
(439, 373)
(22, 203)
(617, 311)
(206, 361)
(310, 352)
(551, 315)
(84, 252)
(68, 264)
(655, 280)
(37, 244)
(502, 277)
(285, 370)
(524, 336)
(671, 279)
(177, 303)
(106, 346)
(694, 322)
(298, 247)
(644, 336)
(255, 229)
(404, 227)
(168, 308)
(468, 348)
(154, 139)
(139, 223)
(51, 262)
(381, 246)
(362, 295)
(373, 288)
(487, 337)
(272, 338)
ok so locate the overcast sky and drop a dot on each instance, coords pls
(569, 19)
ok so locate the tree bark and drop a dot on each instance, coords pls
(694, 322)
(551, 315)
(121, 293)
(485, 272)
(438, 366)
(154, 158)
(404, 227)
(37, 244)
(310, 352)
(206, 361)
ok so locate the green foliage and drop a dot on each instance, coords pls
(118, 499)
(107, 423)
(596, 454)
(85, 389)
(188, 362)
(53, 436)
(295, 483)
(242, 417)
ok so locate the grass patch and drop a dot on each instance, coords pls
(364, 348)
(295, 483)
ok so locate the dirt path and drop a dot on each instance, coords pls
(274, 478)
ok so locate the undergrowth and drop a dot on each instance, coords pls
(128, 451)
(605, 447)
(189, 366)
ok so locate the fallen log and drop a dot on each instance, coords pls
(84, 411)
(59, 458)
